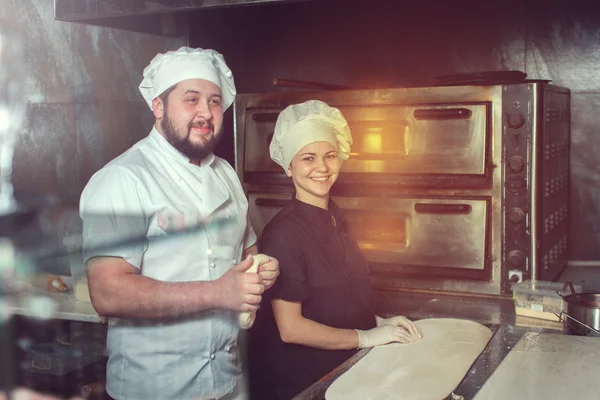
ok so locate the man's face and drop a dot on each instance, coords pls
(192, 118)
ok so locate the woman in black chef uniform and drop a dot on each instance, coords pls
(318, 312)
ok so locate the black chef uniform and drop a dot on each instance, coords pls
(322, 267)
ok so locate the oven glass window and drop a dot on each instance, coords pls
(379, 231)
(427, 139)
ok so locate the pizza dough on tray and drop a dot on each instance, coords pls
(428, 369)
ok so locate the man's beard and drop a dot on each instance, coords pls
(194, 151)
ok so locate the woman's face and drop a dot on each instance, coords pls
(314, 169)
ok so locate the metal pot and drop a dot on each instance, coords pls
(583, 312)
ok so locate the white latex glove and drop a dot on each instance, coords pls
(401, 322)
(246, 319)
(382, 335)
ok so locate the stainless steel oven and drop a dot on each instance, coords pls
(455, 188)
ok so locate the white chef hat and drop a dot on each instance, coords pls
(302, 124)
(170, 68)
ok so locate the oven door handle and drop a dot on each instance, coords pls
(265, 117)
(442, 113)
(442, 208)
(272, 202)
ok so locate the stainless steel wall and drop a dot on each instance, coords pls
(83, 104)
(381, 43)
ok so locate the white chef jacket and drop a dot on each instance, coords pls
(149, 189)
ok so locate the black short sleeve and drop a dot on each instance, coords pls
(291, 285)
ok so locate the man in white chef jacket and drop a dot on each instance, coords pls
(174, 299)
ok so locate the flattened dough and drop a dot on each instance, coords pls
(428, 369)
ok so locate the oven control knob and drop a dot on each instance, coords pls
(516, 258)
(516, 164)
(515, 120)
(516, 185)
(516, 215)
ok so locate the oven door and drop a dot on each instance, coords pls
(441, 238)
(431, 145)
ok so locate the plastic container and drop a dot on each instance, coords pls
(58, 359)
(539, 299)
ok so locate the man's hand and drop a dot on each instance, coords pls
(401, 322)
(269, 272)
(238, 290)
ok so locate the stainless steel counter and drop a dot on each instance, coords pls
(63, 305)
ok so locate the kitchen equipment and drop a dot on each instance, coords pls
(458, 189)
(539, 299)
(582, 316)
(483, 77)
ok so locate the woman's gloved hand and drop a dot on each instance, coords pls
(401, 322)
(382, 335)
